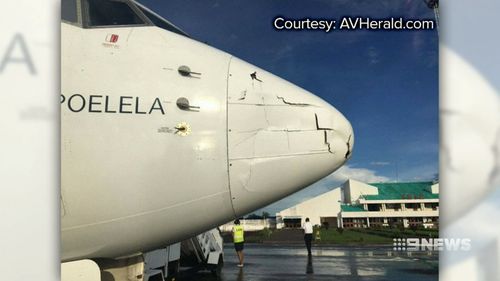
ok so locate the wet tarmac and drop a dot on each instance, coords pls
(290, 262)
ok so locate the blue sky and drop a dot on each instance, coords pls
(385, 83)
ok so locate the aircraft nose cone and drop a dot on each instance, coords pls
(350, 139)
(337, 129)
(344, 129)
(281, 138)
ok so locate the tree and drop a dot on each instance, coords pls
(253, 217)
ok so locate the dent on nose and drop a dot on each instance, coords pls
(344, 128)
(281, 138)
(338, 130)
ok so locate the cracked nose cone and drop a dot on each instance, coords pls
(344, 129)
(281, 138)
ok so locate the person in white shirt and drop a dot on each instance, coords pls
(308, 234)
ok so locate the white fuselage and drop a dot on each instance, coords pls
(140, 172)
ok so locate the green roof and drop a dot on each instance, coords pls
(402, 190)
(352, 208)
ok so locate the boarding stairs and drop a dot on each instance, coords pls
(204, 251)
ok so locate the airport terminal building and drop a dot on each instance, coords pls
(356, 204)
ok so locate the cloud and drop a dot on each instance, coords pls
(417, 41)
(328, 183)
(282, 52)
(380, 163)
(312, 191)
(359, 174)
(426, 172)
(373, 55)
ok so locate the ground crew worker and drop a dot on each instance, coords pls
(308, 235)
(239, 240)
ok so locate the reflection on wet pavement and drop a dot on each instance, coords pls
(290, 262)
(309, 268)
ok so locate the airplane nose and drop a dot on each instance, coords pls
(281, 138)
(342, 127)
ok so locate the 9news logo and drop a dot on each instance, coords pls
(431, 244)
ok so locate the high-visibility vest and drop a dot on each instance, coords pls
(238, 234)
